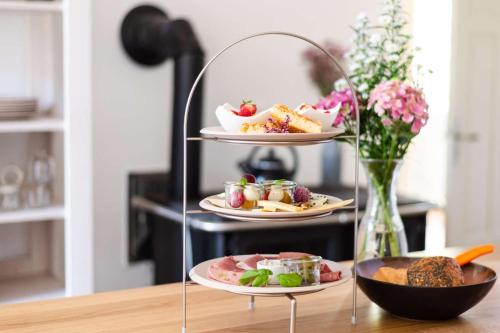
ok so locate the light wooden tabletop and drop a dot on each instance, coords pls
(157, 309)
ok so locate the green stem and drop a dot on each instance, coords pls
(382, 188)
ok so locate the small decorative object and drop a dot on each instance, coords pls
(41, 177)
(392, 112)
(11, 179)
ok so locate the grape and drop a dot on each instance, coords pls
(301, 194)
(250, 178)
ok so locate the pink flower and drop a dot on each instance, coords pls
(397, 101)
(346, 108)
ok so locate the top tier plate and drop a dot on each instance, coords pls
(217, 133)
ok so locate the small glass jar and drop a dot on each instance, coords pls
(308, 268)
(279, 190)
(242, 196)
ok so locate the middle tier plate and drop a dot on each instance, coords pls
(216, 204)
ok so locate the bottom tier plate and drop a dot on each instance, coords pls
(199, 274)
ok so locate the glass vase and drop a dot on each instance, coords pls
(381, 232)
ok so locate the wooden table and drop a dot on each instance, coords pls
(157, 309)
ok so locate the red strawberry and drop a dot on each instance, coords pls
(235, 112)
(247, 109)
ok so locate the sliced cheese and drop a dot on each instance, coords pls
(318, 200)
(264, 210)
(266, 204)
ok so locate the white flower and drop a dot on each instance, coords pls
(393, 57)
(371, 52)
(371, 59)
(375, 38)
(359, 57)
(363, 87)
(362, 17)
(384, 20)
(340, 84)
(391, 47)
(353, 66)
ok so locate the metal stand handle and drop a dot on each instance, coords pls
(356, 168)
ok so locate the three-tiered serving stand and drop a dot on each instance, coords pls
(289, 295)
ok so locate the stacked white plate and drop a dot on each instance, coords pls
(17, 107)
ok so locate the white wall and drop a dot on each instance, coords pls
(132, 105)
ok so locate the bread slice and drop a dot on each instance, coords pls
(253, 128)
(270, 126)
(296, 122)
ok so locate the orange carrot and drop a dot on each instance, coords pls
(471, 254)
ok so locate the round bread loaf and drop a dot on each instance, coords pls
(435, 272)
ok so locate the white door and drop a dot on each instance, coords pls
(474, 155)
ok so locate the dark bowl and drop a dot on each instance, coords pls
(424, 303)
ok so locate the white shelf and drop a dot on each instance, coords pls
(31, 6)
(32, 125)
(32, 215)
(32, 288)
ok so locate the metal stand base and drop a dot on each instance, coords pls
(251, 304)
(293, 312)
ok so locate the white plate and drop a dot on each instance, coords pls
(325, 117)
(217, 132)
(199, 274)
(208, 205)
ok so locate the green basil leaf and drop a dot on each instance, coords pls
(265, 271)
(289, 280)
(248, 276)
(243, 181)
(260, 281)
(279, 181)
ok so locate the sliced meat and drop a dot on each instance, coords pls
(251, 262)
(324, 268)
(330, 276)
(225, 270)
(292, 255)
(327, 275)
(227, 263)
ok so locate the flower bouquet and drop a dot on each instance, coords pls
(392, 112)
